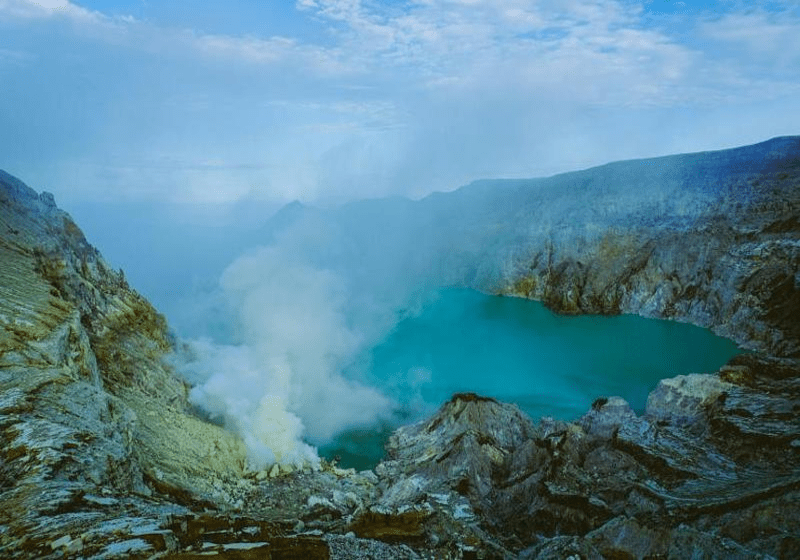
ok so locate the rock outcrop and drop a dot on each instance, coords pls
(724, 255)
(102, 456)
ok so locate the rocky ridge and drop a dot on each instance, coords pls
(102, 456)
(723, 254)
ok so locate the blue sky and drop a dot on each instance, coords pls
(225, 102)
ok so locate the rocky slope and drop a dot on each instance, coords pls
(731, 264)
(102, 457)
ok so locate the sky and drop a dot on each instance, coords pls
(238, 102)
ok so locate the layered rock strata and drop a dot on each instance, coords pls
(725, 254)
(101, 455)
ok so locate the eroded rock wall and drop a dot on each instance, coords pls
(88, 406)
(732, 267)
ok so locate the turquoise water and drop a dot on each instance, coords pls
(518, 351)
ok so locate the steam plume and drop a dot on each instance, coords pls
(283, 382)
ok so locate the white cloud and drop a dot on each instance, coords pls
(47, 9)
(15, 57)
(754, 54)
(560, 46)
(275, 50)
(250, 49)
(143, 36)
(760, 37)
(521, 44)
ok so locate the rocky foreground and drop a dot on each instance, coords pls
(101, 455)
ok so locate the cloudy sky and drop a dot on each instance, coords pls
(228, 101)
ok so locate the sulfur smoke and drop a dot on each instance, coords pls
(281, 385)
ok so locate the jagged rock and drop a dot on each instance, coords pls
(464, 443)
(606, 416)
(684, 399)
(626, 538)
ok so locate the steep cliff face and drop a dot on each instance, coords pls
(102, 457)
(733, 267)
(88, 405)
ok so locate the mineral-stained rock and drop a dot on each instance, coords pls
(684, 399)
(101, 455)
(88, 406)
(726, 257)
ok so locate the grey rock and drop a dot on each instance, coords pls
(606, 416)
(684, 399)
(568, 548)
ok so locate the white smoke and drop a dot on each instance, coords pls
(328, 287)
(282, 385)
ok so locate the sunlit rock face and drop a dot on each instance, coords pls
(101, 454)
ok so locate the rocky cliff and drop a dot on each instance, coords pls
(723, 254)
(102, 457)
